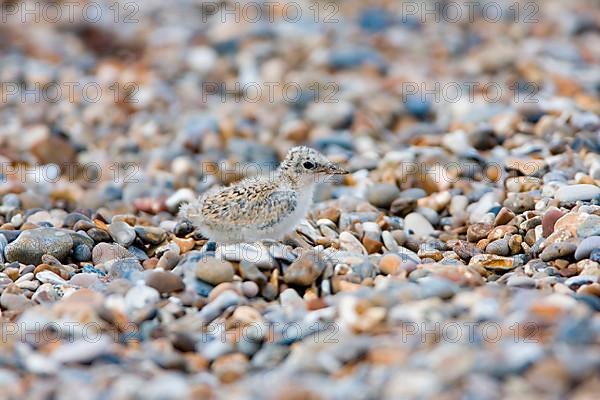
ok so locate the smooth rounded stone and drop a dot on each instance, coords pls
(521, 282)
(3, 244)
(270, 356)
(390, 263)
(585, 248)
(168, 260)
(282, 252)
(122, 233)
(151, 235)
(498, 247)
(432, 286)
(372, 229)
(250, 289)
(11, 200)
(364, 269)
(549, 219)
(13, 299)
(84, 279)
(403, 206)
(127, 268)
(382, 194)
(308, 231)
(413, 193)
(32, 244)
(138, 253)
(5, 281)
(350, 243)
(10, 235)
(408, 255)
(519, 202)
(39, 217)
(555, 176)
(595, 255)
(141, 296)
(184, 195)
(81, 252)
(576, 281)
(214, 271)
(580, 192)
(418, 225)
(81, 351)
(250, 271)
(430, 214)
(165, 282)
(72, 218)
(99, 235)
(224, 300)
(558, 250)
(458, 205)
(589, 227)
(104, 252)
(183, 228)
(306, 269)
(50, 277)
(81, 238)
(478, 211)
(389, 242)
(83, 225)
(230, 367)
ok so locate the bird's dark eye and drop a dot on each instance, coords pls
(308, 165)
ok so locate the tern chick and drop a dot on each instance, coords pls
(257, 209)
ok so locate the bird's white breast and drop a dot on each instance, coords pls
(289, 222)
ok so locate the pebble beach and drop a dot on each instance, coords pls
(459, 259)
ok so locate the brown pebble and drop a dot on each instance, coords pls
(165, 282)
(548, 221)
(221, 287)
(185, 245)
(150, 263)
(504, 216)
(466, 250)
(501, 231)
(372, 246)
(390, 263)
(590, 290)
(515, 244)
(168, 260)
(12, 273)
(230, 367)
(476, 232)
(483, 243)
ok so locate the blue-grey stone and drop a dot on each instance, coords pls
(585, 248)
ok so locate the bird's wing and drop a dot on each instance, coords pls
(254, 203)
